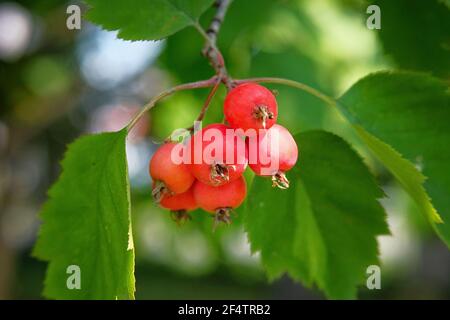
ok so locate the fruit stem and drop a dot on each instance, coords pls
(327, 99)
(186, 86)
(206, 104)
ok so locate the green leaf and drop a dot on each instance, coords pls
(146, 19)
(410, 112)
(86, 222)
(415, 34)
(406, 173)
(322, 229)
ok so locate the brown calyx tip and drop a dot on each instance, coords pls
(220, 173)
(279, 180)
(222, 215)
(262, 113)
(159, 191)
(180, 216)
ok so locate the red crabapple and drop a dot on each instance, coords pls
(220, 200)
(217, 155)
(179, 204)
(274, 153)
(182, 201)
(168, 177)
(250, 106)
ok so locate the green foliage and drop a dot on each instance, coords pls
(144, 19)
(47, 76)
(86, 222)
(416, 34)
(406, 173)
(410, 112)
(322, 229)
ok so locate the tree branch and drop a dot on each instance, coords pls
(216, 22)
(210, 51)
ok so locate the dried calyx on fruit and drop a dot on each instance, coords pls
(275, 152)
(168, 177)
(217, 155)
(220, 200)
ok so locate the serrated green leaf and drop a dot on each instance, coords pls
(409, 177)
(322, 229)
(415, 33)
(410, 112)
(146, 19)
(86, 222)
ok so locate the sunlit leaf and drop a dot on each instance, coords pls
(404, 114)
(323, 229)
(415, 33)
(86, 222)
(146, 19)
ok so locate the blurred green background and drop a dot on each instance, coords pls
(56, 84)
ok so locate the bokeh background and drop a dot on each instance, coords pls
(56, 84)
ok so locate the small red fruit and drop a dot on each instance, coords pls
(168, 176)
(250, 106)
(217, 155)
(220, 200)
(179, 204)
(272, 154)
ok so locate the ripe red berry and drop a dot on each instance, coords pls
(184, 201)
(220, 200)
(273, 153)
(250, 106)
(217, 155)
(168, 176)
(179, 205)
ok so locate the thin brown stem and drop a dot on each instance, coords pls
(205, 105)
(327, 99)
(186, 86)
(208, 101)
(215, 58)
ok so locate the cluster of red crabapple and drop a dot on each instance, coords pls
(218, 186)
